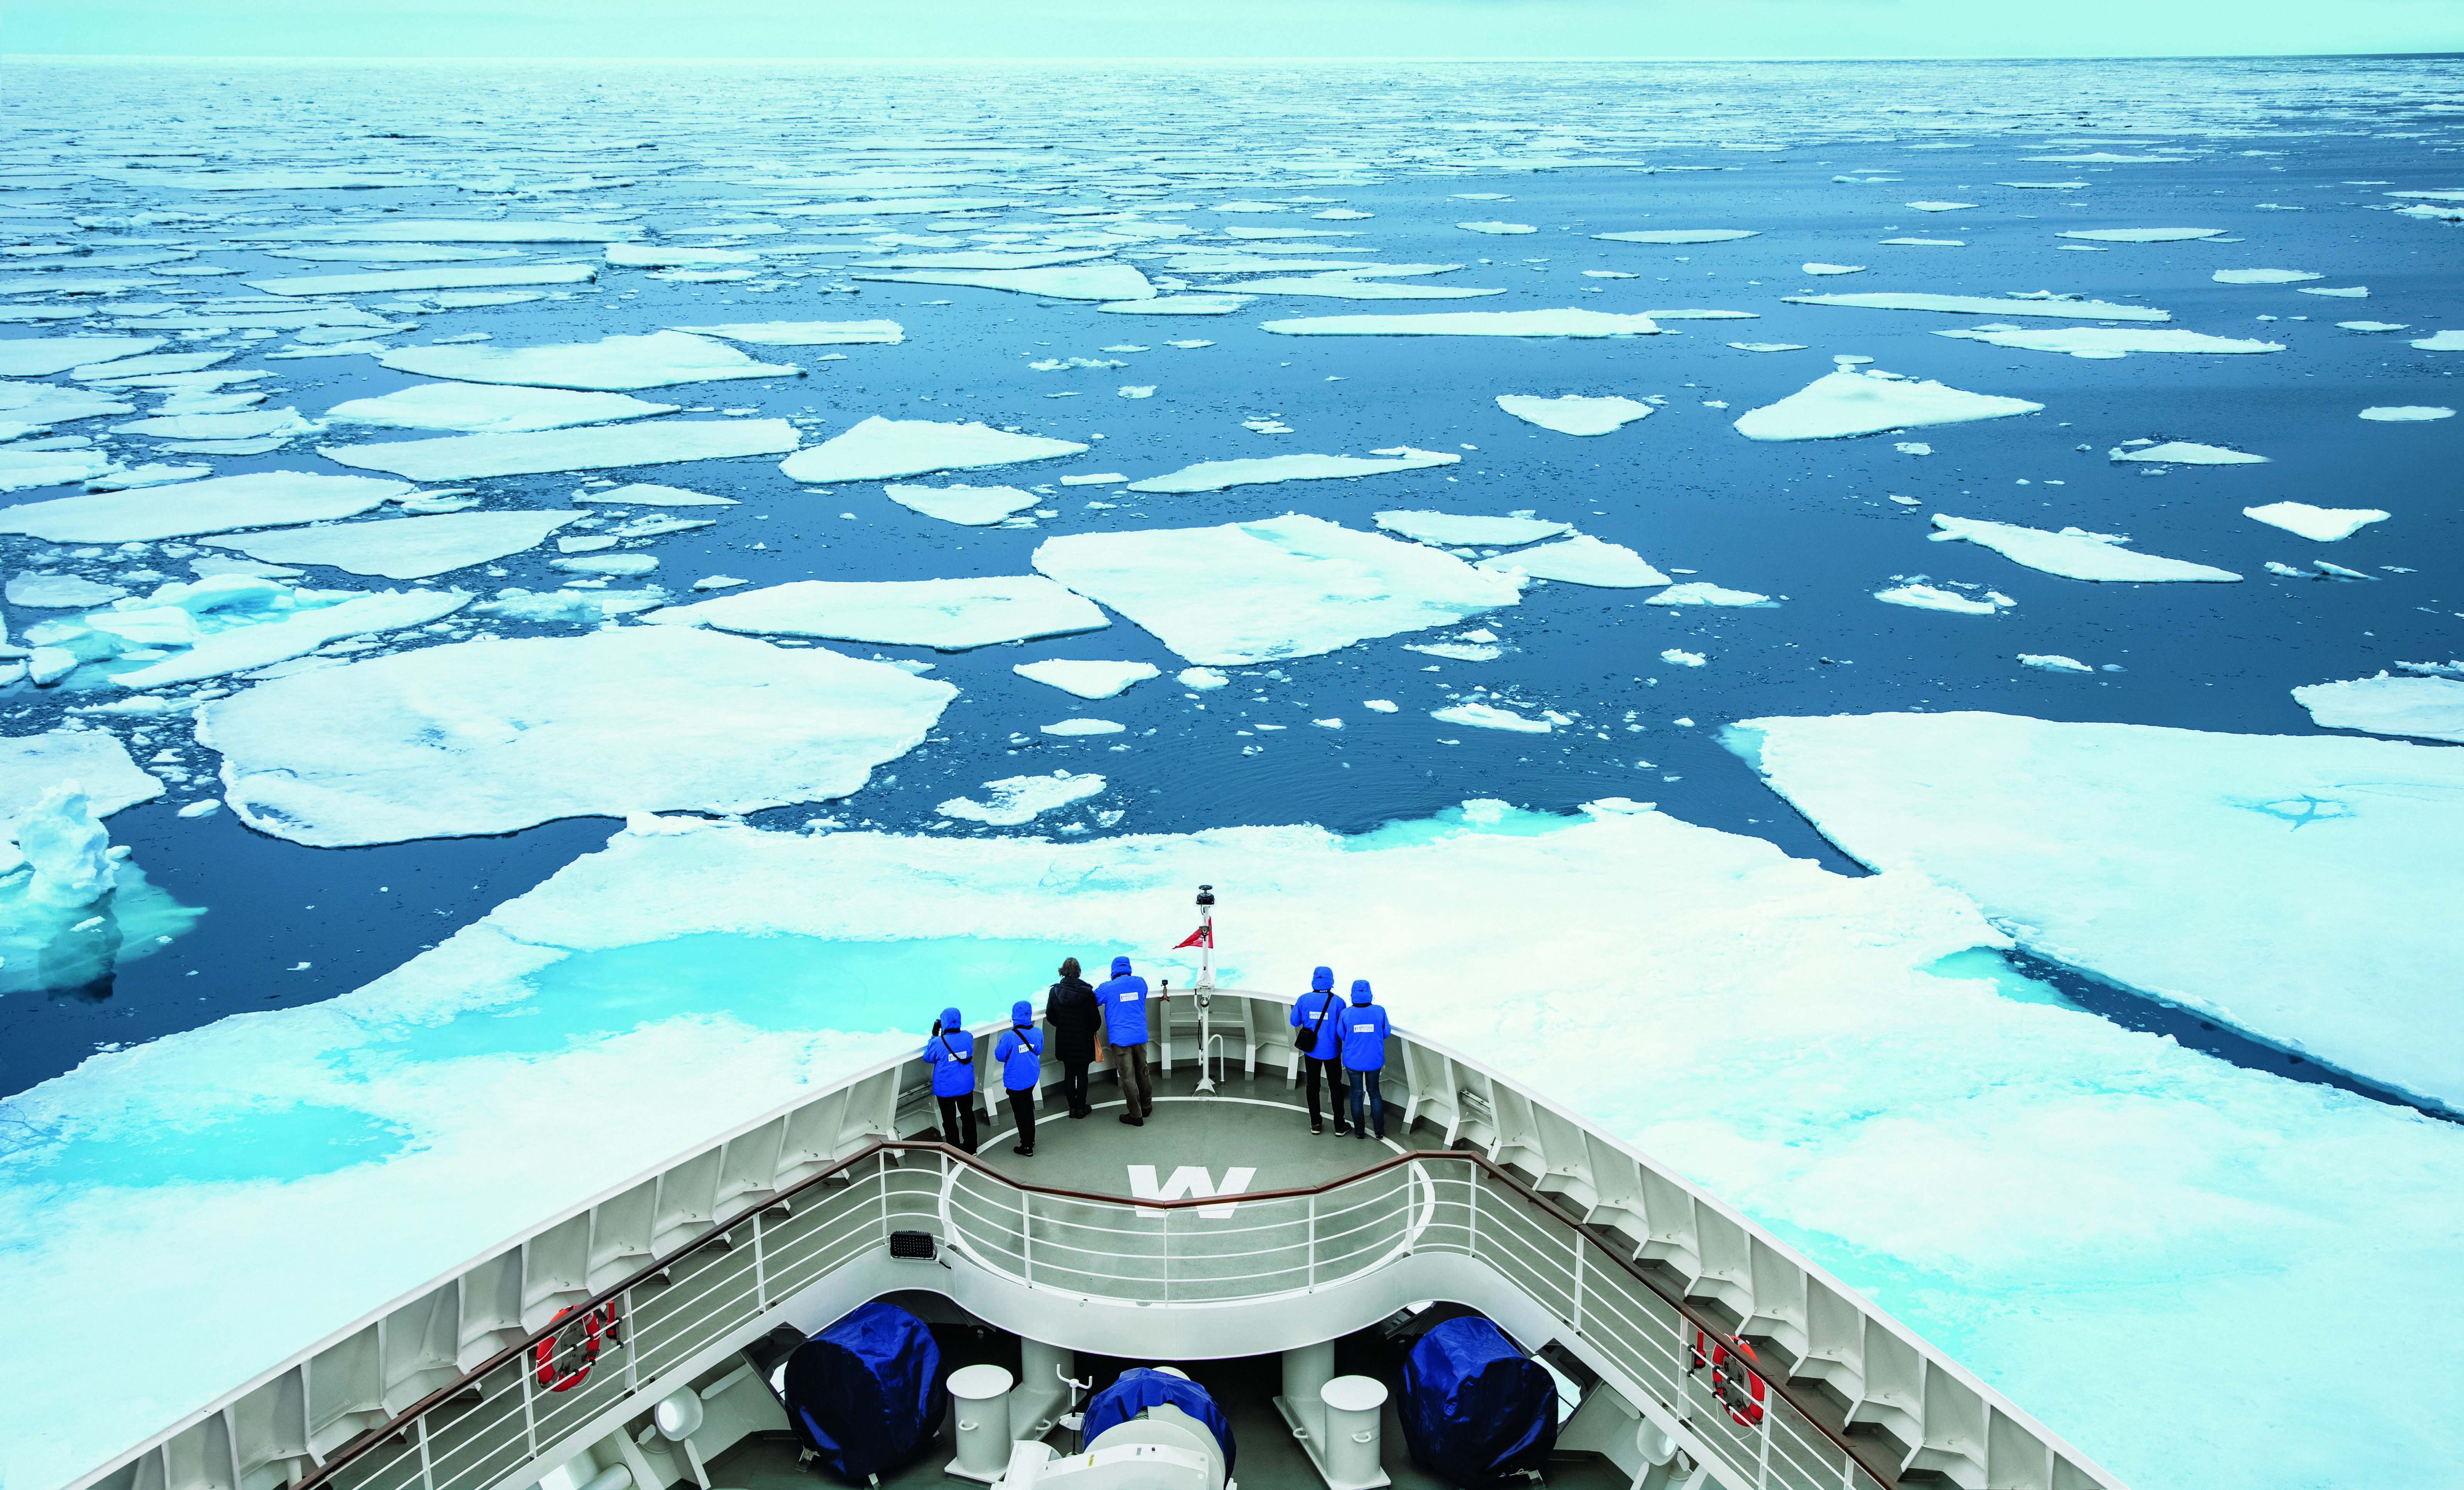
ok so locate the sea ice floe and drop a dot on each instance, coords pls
(979, 507)
(1924, 242)
(2182, 452)
(494, 736)
(1202, 679)
(1346, 287)
(2141, 234)
(660, 442)
(1581, 559)
(1933, 597)
(1702, 592)
(2294, 888)
(1216, 475)
(1768, 346)
(2262, 277)
(40, 357)
(1832, 269)
(1083, 727)
(482, 409)
(1459, 530)
(1939, 206)
(23, 470)
(947, 615)
(245, 425)
(2320, 524)
(1850, 402)
(1573, 413)
(1077, 282)
(452, 231)
(878, 448)
(2073, 553)
(610, 364)
(2341, 292)
(402, 281)
(2441, 342)
(1987, 305)
(653, 255)
(2111, 341)
(1504, 228)
(2372, 325)
(805, 333)
(2431, 709)
(219, 504)
(32, 764)
(1680, 235)
(2052, 661)
(1021, 798)
(403, 548)
(1179, 305)
(1087, 679)
(58, 592)
(1289, 586)
(2407, 413)
(1488, 717)
(1471, 323)
(1677, 658)
(642, 493)
(276, 627)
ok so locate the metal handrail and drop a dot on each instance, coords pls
(366, 1442)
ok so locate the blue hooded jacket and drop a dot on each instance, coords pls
(1364, 1031)
(952, 1055)
(1124, 1001)
(1318, 1015)
(1021, 1051)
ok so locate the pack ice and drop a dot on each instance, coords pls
(1850, 401)
(1573, 413)
(1216, 475)
(947, 615)
(610, 364)
(1289, 586)
(878, 447)
(218, 504)
(2289, 885)
(2073, 553)
(2431, 709)
(492, 737)
(660, 442)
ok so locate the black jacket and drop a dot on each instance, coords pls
(1073, 1014)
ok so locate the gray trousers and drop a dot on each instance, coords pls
(1137, 1082)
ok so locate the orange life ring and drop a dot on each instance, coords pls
(557, 1355)
(1744, 1406)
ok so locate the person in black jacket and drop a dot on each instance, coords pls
(1076, 1021)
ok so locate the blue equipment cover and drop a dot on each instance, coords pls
(865, 1394)
(1140, 1388)
(1474, 1409)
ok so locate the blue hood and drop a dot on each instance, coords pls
(950, 1020)
(1120, 967)
(1360, 990)
(1021, 1013)
(1322, 980)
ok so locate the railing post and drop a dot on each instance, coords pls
(1578, 1282)
(1167, 1255)
(1312, 1239)
(530, 1421)
(427, 1470)
(632, 1377)
(760, 1269)
(1770, 1415)
(1026, 1235)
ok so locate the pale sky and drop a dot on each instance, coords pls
(1228, 28)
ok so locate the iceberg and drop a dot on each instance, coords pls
(2073, 553)
(2318, 524)
(1846, 402)
(218, 504)
(1575, 414)
(1289, 586)
(610, 364)
(404, 548)
(2110, 341)
(403, 280)
(1471, 323)
(1459, 530)
(879, 447)
(1581, 559)
(1076, 282)
(32, 764)
(479, 408)
(492, 737)
(947, 615)
(2182, 452)
(1087, 679)
(71, 906)
(1984, 305)
(1680, 235)
(2431, 709)
(659, 443)
(2293, 886)
(1216, 476)
(1021, 798)
(805, 333)
(979, 507)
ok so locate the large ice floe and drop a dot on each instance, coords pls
(948, 615)
(1573, 413)
(2073, 553)
(1216, 476)
(1472, 323)
(2110, 341)
(218, 504)
(2318, 524)
(654, 443)
(403, 548)
(1987, 305)
(479, 408)
(491, 736)
(2430, 708)
(1289, 586)
(1850, 401)
(876, 449)
(1915, 1102)
(225, 623)
(610, 364)
(2293, 886)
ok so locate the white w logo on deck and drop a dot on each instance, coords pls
(1189, 1182)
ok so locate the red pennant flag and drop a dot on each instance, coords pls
(1204, 936)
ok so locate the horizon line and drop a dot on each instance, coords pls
(1978, 57)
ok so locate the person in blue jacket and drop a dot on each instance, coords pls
(1021, 1054)
(1318, 1017)
(950, 1053)
(1124, 1001)
(1364, 1056)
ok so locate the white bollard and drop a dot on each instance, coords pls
(980, 1399)
(1352, 1405)
(1305, 1371)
